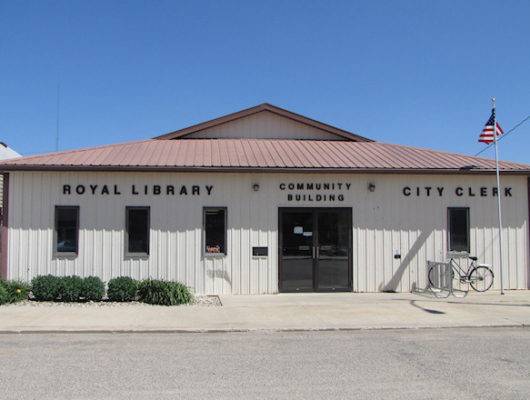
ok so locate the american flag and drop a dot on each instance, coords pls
(487, 133)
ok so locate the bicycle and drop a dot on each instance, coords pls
(478, 276)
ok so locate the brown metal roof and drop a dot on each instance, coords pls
(260, 154)
(259, 108)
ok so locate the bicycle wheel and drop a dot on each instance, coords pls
(437, 277)
(481, 278)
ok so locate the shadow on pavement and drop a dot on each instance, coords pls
(441, 295)
(491, 304)
(428, 310)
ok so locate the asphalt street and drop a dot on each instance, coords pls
(492, 363)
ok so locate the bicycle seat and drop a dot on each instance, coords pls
(473, 258)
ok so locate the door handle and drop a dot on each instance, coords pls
(315, 252)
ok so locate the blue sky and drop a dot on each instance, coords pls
(412, 72)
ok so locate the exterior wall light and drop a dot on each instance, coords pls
(255, 187)
(371, 187)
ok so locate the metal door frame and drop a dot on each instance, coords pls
(314, 211)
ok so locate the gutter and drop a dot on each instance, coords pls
(134, 168)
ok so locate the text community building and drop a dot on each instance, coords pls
(261, 201)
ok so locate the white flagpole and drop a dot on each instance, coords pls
(498, 191)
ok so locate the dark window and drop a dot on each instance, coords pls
(215, 230)
(459, 229)
(66, 229)
(137, 221)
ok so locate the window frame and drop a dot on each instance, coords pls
(56, 252)
(225, 231)
(126, 241)
(468, 231)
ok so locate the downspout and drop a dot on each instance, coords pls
(4, 230)
(528, 238)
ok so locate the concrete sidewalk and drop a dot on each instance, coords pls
(281, 312)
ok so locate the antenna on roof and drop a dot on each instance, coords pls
(57, 122)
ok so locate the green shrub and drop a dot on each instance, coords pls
(3, 284)
(75, 288)
(4, 296)
(122, 288)
(92, 289)
(72, 288)
(16, 290)
(47, 287)
(181, 293)
(153, 291)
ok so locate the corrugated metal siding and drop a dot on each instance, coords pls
(264, 125)
(417, 228)
(383, 222)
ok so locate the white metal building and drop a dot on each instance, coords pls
(6, 153)
(261, 201)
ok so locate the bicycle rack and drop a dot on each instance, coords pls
(444, 285)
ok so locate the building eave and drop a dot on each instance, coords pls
(145, 168)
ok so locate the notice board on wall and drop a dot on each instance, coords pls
(258, 251)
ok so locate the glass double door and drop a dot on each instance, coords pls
(315, 249)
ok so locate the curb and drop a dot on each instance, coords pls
(249, 330)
